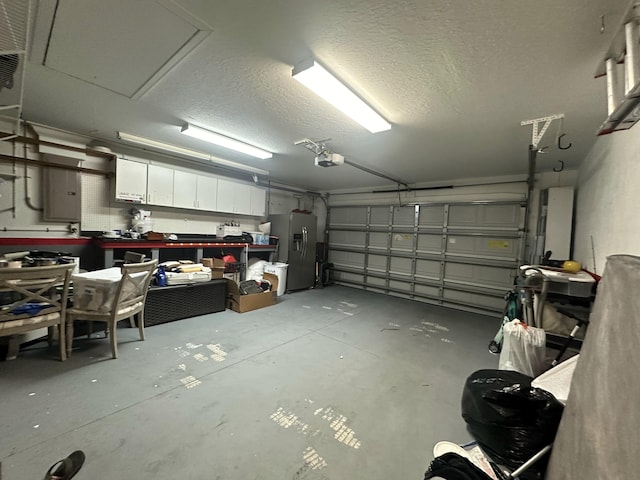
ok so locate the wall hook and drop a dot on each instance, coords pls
(560, 143)
(561, 167)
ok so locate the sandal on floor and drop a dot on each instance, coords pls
(66, 468)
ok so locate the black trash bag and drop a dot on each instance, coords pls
(452, 466)
(510, 419)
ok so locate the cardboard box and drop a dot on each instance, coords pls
(216, 265)
(246, 303)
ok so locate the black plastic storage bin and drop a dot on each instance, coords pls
(175, 302)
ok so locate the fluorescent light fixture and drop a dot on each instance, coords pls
(313, 76)
(147, 142)
(217, 139)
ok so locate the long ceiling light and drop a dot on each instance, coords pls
(223, 141)
(147, 142)
(313, 76)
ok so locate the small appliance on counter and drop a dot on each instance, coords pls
(141, 221)
(229, 228)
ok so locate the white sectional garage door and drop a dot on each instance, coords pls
(461, 255)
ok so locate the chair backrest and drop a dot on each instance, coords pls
(24, 290)
(134, 285)
(133, 257)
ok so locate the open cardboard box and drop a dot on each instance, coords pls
(216, 265)
(246, 303)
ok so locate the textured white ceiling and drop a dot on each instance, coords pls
(454, 77)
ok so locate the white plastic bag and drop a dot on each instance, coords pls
(255, 270)
(523, 349)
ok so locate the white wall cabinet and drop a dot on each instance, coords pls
(131, 181)
(207, 193)
(160, 185)
(258, 201)
(185, 189)
(240, 198)
(224, 196)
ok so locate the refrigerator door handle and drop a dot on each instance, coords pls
(304, 242)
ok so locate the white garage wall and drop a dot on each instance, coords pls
(607, 199)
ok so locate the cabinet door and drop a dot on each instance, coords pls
(160, 185)
(185, 186)
(207, 193)
(131, 181)
(225, 196)
(258, 199)
(242, 199)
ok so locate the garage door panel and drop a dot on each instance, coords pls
(402, 241)
(347, 277)
(429, 243)
(427, 291)
(470, 298)
(400, 286)
(346, 259)
(378, 240)
(376, 282)
(404, 216)
(463, 252)
(485, 216)
(348, 239)
(480, 275)
(489, 247)
(380, 216)
(431, 216)
(377, 263)
(429, 269)
(400, 266)
(352, 216)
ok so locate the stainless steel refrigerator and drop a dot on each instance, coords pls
(296, 247)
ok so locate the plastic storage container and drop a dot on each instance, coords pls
(278, 269)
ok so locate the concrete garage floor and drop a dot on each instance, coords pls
(328, 384)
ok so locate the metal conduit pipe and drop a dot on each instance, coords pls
(631, 67)
(612, 97)
(27, 197)
(34, 229)
(36, 141)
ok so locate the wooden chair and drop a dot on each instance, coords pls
(32, 298)
(128, 302)
(133, 257)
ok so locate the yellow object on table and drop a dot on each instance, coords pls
(571, 266)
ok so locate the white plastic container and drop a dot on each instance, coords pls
(256, 237)
(278, 269)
